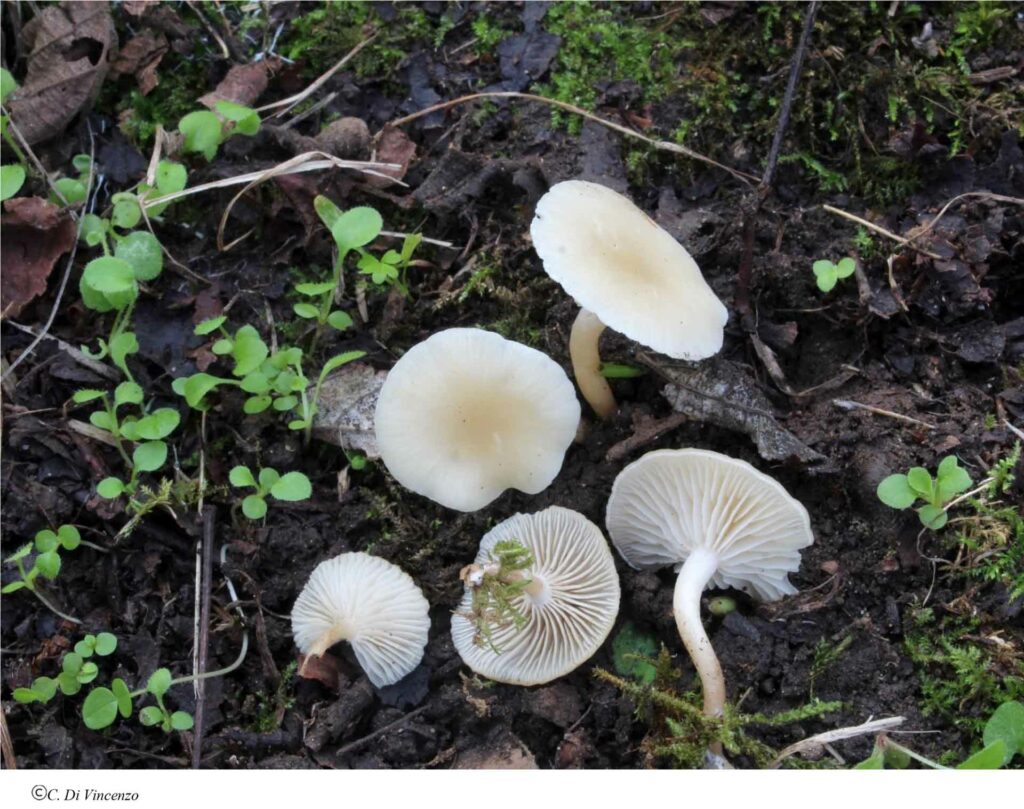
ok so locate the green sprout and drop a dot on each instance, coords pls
(205, 130)
(289, 487)
(497, 585)
(47, 563)
(828, 274)
(902, 491)
(73, 190)
(12, 177)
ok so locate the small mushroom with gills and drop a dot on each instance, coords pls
(371, 603)
(723, 522)
(625, 272)
(566, 608)
(466, 414)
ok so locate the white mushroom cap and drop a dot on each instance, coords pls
(670, 503)
(466, 414)
(371, 603)
(617, 262)
(570, 606)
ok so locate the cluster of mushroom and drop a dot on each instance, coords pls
(467, 414)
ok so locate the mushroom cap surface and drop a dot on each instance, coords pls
(671, 502)
(466, 414)
(371, 603)
(573, 617)
(614, 260)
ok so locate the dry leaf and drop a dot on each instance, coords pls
(344, 415)
(140, 57)
(243, 84)
(35, 234)
(394, 146)
(70, 49)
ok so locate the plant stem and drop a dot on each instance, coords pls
(50, 606)
(916, 756)
(208, 674)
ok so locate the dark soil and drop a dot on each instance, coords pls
(940, 341)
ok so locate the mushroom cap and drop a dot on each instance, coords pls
(673, 501)
(572, 618)
(614, 260)
(466, 414)
(371, 603)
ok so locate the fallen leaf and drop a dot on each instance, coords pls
(323, 668)
(140, 57)
(344, 415)
(243, 84)
(70, 48)
(394, 146)
(35, 234)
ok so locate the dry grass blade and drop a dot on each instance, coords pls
(814, 744)
(880, 230)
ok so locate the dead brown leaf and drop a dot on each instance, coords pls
(394, 146)
(35, 234)
(70, 49)
(324, 669)
(243, 84)
(140, 57)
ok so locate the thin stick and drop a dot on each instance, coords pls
(662, 145)
(437, 242)
(13, 127)
(348, 748)
(813, 743)
(880, 230)
(67, 272)
(298, 98)
(203, 641)
(849, 404)
(982, 194)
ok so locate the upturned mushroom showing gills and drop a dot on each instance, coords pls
(548, 611)
(719, 518)
(466, 414)
(625, 272)
(372, 604)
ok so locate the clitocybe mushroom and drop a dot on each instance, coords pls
(568, 607)
(466, 414)
(625, 272)
(723, 521)
(372, 604)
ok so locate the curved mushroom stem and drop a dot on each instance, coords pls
(586, 363)
(697, 571)
(338, 632)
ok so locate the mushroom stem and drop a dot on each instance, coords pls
(586, 363)
(338, 632)
(697, 571)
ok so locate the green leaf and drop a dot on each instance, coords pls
(159, 424)
(25, 696)
(254, 507)
(87, 395)
(210, 325)
(896, 758)
(88, 673)
(93, 229)
(69, 537)
(46, 541)
(110, 276)
(895, 492)
(314, 289)
(876, 761)
(291, 487)
(628, 646)
(86, 646)
(81, 163)
(256, 382)
(356, 460)
(128, 393)
(249, 350)
(12, 178)
(932, 517)
(340, 359)
(68, 684)
(825, 274)
(298, 424)
(45, 688)
(328, 212)
(246, 119)
(409, 245)
(141, 249)
(181, 720)
(110, 488)
(99, 709)
(285, 403)
(106, 643)
(7, 84)
(150, 716)
(845, 267)
(13, 587)
(159, 682)
(103, 420)
(171, 177)
(339, 320)
(356, 227)
(268, 477)
(305, 310)
(195, 388)
(611, 370)
(73, 191)
(123, 697)
(150, 456)
(1007, 725)
(952, 479)
(48, 564)
(256, 404)
(21, 553)
(120, 347)
(71, 664)
(202, 131)
(127, 213)
(241, 476)
(990, 757)
(920, 481)
(223, 346)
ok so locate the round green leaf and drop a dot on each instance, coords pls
(202, 133)
(920, 481)
(315, 288)
(256, 382)
(82, 163)
(292, 486)
(181, 720)
(150, 456)
(88, 673)
(159, 424)
(249, 350)
(128, 393)
(99, 709)
(356, 227)
(25, 696)
(328, 212)
(126, 213)
(339, 320)
(241, 476)
(93, 229)
(69, 537)
(285, 403)
(932, 517)
(48, 564)
(159, 682)
(110, 488)
(305, 310)
(106, 643)
(845, 267)
(45, 688)
(109, 276)
(246, 119)
(141, 249)
(254, 507)
(123, 696)
(1007, 725)
(12, 178)
(68, 684)
(895, 492)
(73, 191)
(71, 664)
(256, 404)
(990, 757)
(170, 177)
(150, 716)
(46, 541)
(86, 646)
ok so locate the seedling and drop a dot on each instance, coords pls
(75, 671)
(495, 586)
(72, 190)
(828, 274)
(902, 491)
(289, 487)
(47, 563)
(12, 177)
(205, 130)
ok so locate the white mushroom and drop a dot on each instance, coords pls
(466, 414)
(625, 272)
(372, 604)
(569, 605)
(723, 521)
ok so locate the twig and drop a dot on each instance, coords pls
(313, 110)
(67, 272)
(436, 242)
(849, 404)
(816, 742)
(657, 144)
(880, 230)
(13, 127)
(203, 639)
(225, 51)
(298, 98)
(6, 744)
(981, 194)
(95, 366)
(379, 732)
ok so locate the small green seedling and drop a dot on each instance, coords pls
(12, 177)
(632, 652)
(47, 562)
(206, 130)
(496, 584)
(72, 190)
(828, 274)
(76, 670)
(902, 491)
(289, 487)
